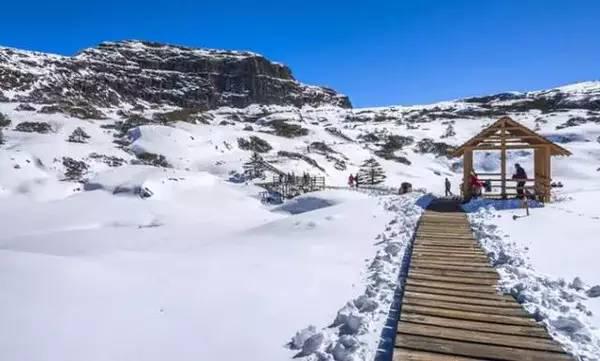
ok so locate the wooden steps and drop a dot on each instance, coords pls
(451, 308)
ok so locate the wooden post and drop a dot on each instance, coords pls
(503, 159)
(548, 173)
(538, 175)
(467, 168)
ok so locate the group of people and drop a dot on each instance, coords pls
(353, 181)
(476, 185)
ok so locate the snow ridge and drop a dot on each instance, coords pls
(558, 304)
(354, 333)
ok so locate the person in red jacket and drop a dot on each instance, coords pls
(351, 180)
(476, 184)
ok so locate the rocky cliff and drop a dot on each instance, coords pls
(131, 72)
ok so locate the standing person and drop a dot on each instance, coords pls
(351, 180)
(356, 180)
(521, 177)
(448, 186)
(475, 184)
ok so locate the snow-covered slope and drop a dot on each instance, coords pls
(121, 214)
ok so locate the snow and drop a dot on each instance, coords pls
(120, 277)
(200, 264)
(549, 262)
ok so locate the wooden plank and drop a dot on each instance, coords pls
(492, 310)
(445, 243)
(443, 235)
(530, 343)
(463, 268)
(475, 349)
(468, 315)
(448, 273)
(458, 293)
(455, 255)
(454, 262)
(476, 325)
(451, 279)
(451, 286)
(498, 303)
(445, 250)
(404, 354)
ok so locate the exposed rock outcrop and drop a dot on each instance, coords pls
(133, 71)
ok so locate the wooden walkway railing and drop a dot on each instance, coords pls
(451, 309)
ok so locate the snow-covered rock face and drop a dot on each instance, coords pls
(132, 71)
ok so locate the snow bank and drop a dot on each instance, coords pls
(354, 333)
(560, 305)
(476, 204)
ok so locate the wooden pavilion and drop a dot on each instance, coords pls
(506, 134)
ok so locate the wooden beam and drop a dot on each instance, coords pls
(503, 158)
(467, 168)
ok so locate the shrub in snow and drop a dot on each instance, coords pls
(284, 129)
(255, 166)
(24, 107)
(255, 144)
(294, 155)
(34, 127)
(156, 160)
(111, 161)
(427, 145)
(4, 120)
(371, 172)
(74, 169)
(449, 131)
(78, 136)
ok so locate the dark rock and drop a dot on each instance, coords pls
(25, 107)
(78, 136)
(182, 115)
(248, 128)
(575, 121)
(593, 292)
(3, 98)
(132, 71)
(494, 98)
(255, 144)
(34, 127)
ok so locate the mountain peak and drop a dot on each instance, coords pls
(133, 71)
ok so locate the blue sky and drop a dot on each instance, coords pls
(377, 52)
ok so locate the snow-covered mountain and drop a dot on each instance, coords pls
(122, 160)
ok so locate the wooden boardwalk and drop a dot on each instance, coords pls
(451, 309)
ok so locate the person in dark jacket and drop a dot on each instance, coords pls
(521, 177)
(448, 186)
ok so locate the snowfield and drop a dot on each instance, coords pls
(99, 276)
(549, 263)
